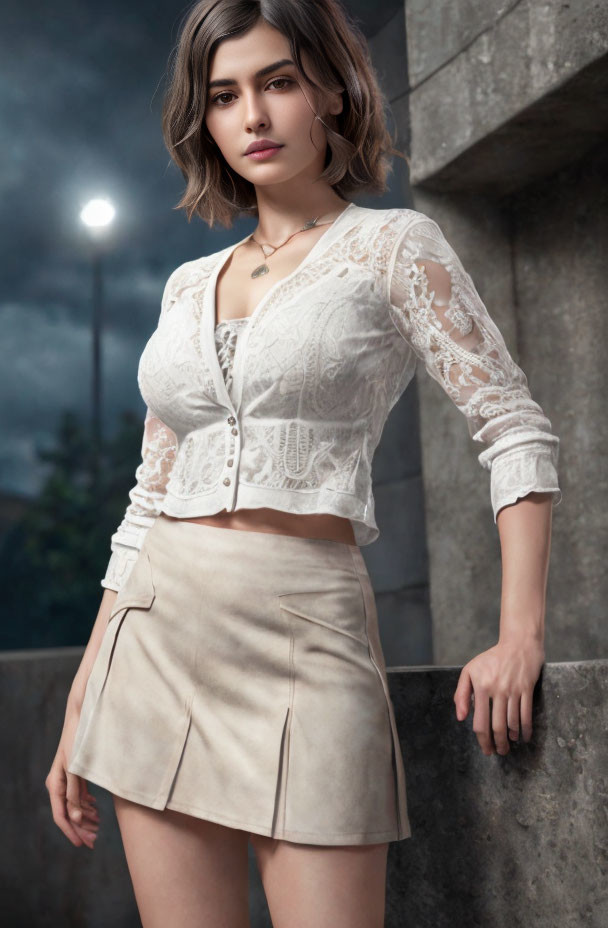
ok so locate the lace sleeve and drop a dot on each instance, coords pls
(435, 306)
(158, 451)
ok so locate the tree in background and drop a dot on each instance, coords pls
(53, 559)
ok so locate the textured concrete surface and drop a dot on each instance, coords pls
(443, 30)
(509, 129)
(544, 136)
(496, 841)
(503, 841)
(477, 69)
(562, 285)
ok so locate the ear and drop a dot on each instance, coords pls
(335, 103)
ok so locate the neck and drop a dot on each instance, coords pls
(278, 221)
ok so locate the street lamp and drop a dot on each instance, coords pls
(97, 216)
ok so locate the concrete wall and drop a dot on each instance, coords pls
(560, 268)
(514, 840)
(509, 132)
(398, 560)
(478, 69)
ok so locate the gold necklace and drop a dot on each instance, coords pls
(309, 224)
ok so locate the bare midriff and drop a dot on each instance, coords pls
(303, 525)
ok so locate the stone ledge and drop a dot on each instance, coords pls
(554, 131)
(518, 840)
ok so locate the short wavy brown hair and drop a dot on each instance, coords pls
(358, 138)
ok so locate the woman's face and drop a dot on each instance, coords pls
(277, 105)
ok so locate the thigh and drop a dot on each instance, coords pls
(186, 872)
(340, 886)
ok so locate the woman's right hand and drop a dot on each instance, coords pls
(72, 804)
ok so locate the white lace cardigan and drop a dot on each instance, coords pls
(324, 357)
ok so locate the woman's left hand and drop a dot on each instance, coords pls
(506, 674)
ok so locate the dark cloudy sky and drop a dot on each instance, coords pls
(80, 106)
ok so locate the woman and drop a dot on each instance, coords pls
(234, 686)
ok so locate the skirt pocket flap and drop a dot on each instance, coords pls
(138, 590)
(339, 610)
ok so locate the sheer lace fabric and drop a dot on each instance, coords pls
(226, 334)
(158, 451)
(285, 408)
(438, 310)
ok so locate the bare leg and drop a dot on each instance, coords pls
(325, 886)
(186, 872)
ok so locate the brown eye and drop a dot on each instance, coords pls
(228, 93)
(285, 80)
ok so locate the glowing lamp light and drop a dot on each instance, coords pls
(97, 213)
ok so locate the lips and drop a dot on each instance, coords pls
(262, 145)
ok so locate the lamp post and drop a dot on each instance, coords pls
(97, 216)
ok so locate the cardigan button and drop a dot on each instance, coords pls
(230, 462)
(226, 481)
(231, 420)
(234, 431)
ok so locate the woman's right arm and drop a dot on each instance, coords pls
(72, 803)
(76, 694)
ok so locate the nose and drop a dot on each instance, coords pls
(255, 114)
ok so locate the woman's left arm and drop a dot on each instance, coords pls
(507, 672)
(436, 307)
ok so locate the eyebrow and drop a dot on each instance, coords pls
(228, 81)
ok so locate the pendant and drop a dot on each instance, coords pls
(270, 249)
(259, 270)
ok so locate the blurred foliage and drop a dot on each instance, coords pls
(53, 559)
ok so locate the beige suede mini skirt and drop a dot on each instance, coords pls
(241, 680)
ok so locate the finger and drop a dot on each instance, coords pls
(526, 714)
(462, 695)
(80, 816)
(89, 824)
(56, 790)
(513, 717)
(89, 809)
(72, 795)
(86, 832)
(481, 722)
(89, 821)
(90, 813)
(499, 724)
(88, 837)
